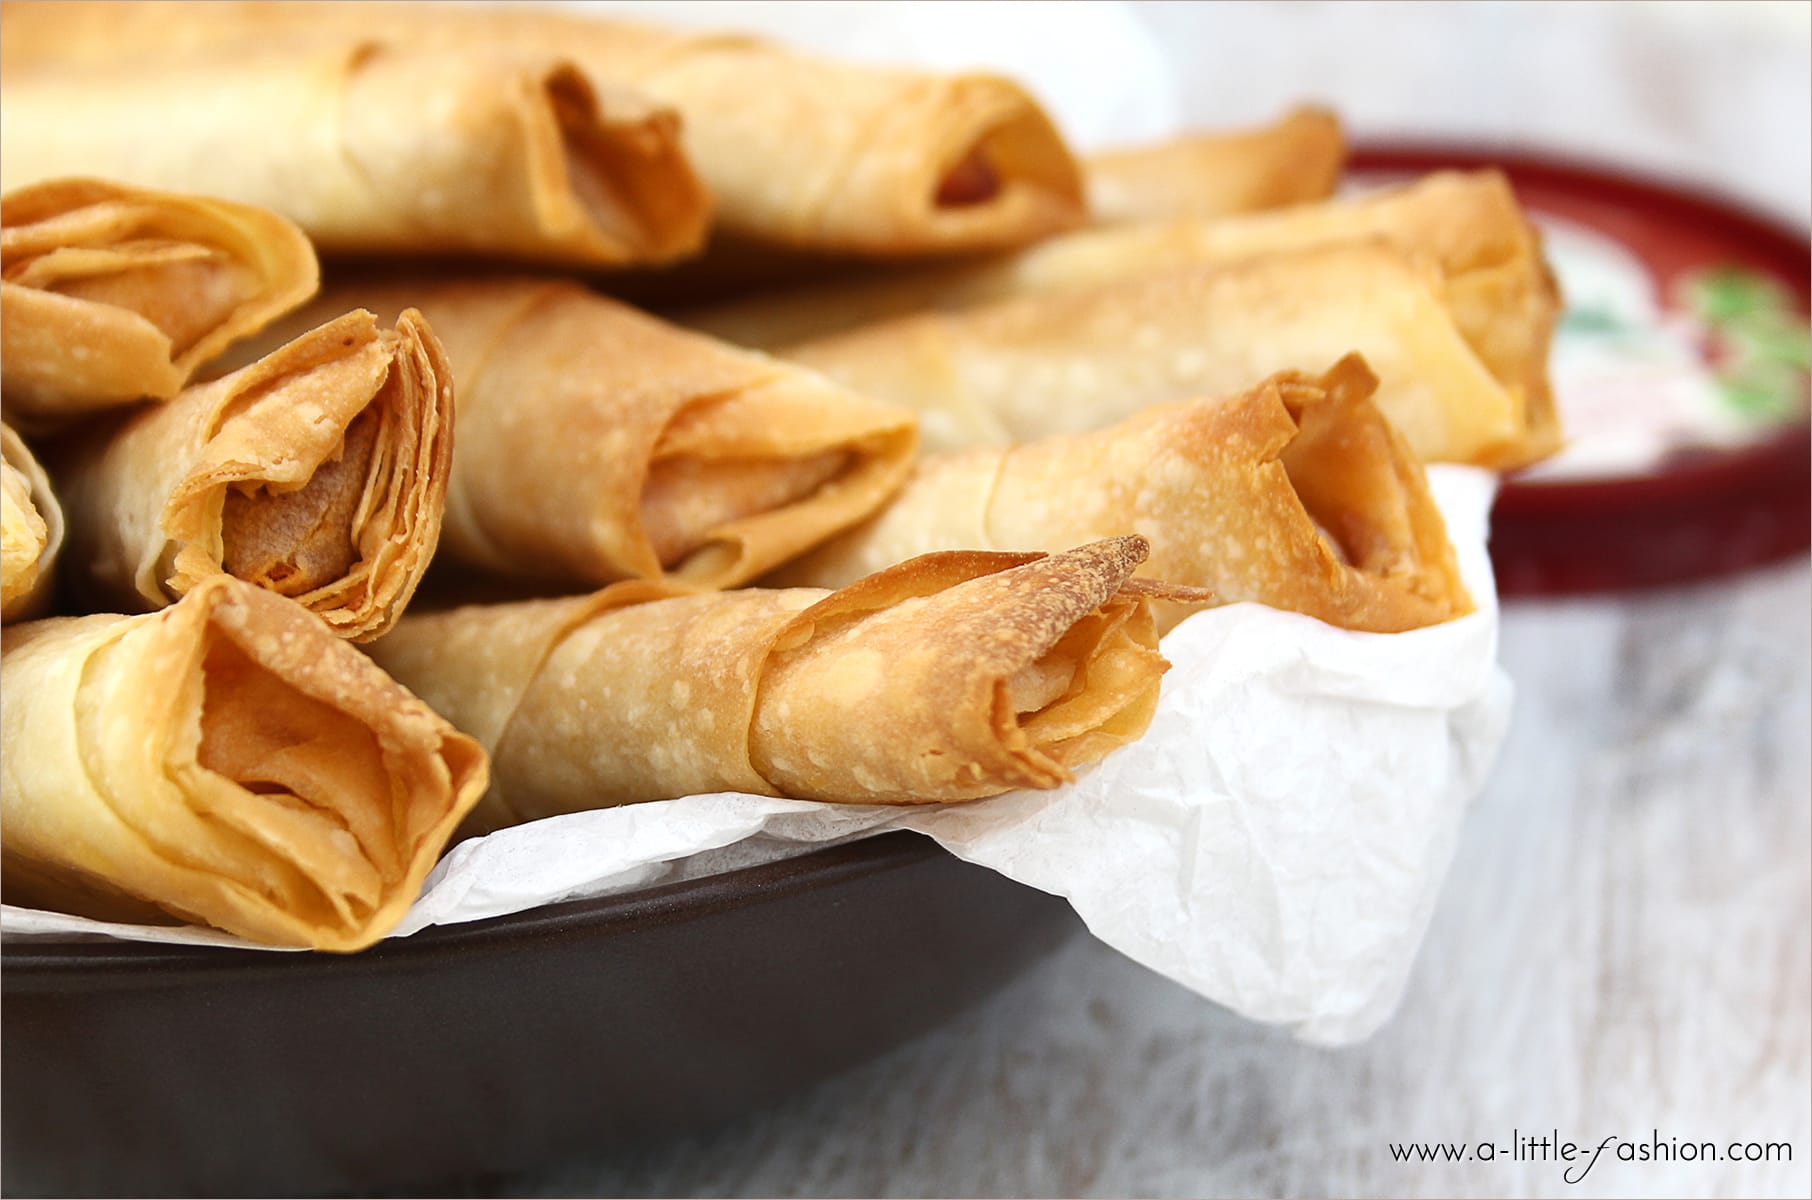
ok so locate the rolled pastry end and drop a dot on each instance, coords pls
(1093, 691)
(1015, 152)
(231, 762)
(738, 484)
(26, 537)
(959, 675)
(1014, 160)
(631, 189)
(1296, 160)
(115, 293)
(1298, 494)
(990, 172)
(326, 476)
(1382, 537)
(31, 524)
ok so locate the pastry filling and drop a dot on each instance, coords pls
(186, 290)
(1018, 154)
(1094, 690)
(296, 541)
(687, 500)
(972, 181)
(327, 802)
(626, 173)
(1348, 485)
(25, 534)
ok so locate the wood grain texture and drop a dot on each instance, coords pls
(1622, 948)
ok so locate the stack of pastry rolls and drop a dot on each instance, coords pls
(315, 346)
(196, 737)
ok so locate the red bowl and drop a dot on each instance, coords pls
(1704, 513)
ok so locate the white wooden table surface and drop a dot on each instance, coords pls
(1623, 947)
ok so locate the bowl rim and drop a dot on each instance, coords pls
(1782, 457)
(27, 963)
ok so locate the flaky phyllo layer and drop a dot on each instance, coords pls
(795, 150)
(1294, 160)
(598, 443)
(318, 472)
(113, 293)
(1075, 360)
(26, 535)
(374, 145)
(1375, 554)
(950, 677)
(1295, 493)
(228, 761)
(31, 530)
(1295, 287)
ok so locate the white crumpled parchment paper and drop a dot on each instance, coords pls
(1275, 842)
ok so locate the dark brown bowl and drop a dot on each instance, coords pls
(136, 1069)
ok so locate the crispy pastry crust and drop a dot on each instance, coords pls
(226, 760)
(798, 151)
(1294, 493)
(597, 443)
(1071, 361)
(1294, 160)
(319, 471)
(113, 294)
(377, 146)
(950, 677)
(31, 522)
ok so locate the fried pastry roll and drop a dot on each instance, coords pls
(597, 443)
(797, 151)
(1074, 361)
(376, 147)
(1295, 160)
(950, 677)
(319, 472)
(111, 294)
(1492, 280)
(1295, 493)
(226, 760)
(31, 523)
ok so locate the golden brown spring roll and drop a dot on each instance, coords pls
(1295, 493)
(376, 148)
(319, 472)
(111, 294)
(31, 524)
(1296, 160)
(1494, 283)
(225, 761)
(597, 443)
(798, 151)
(1080, 360)
(950, 677)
